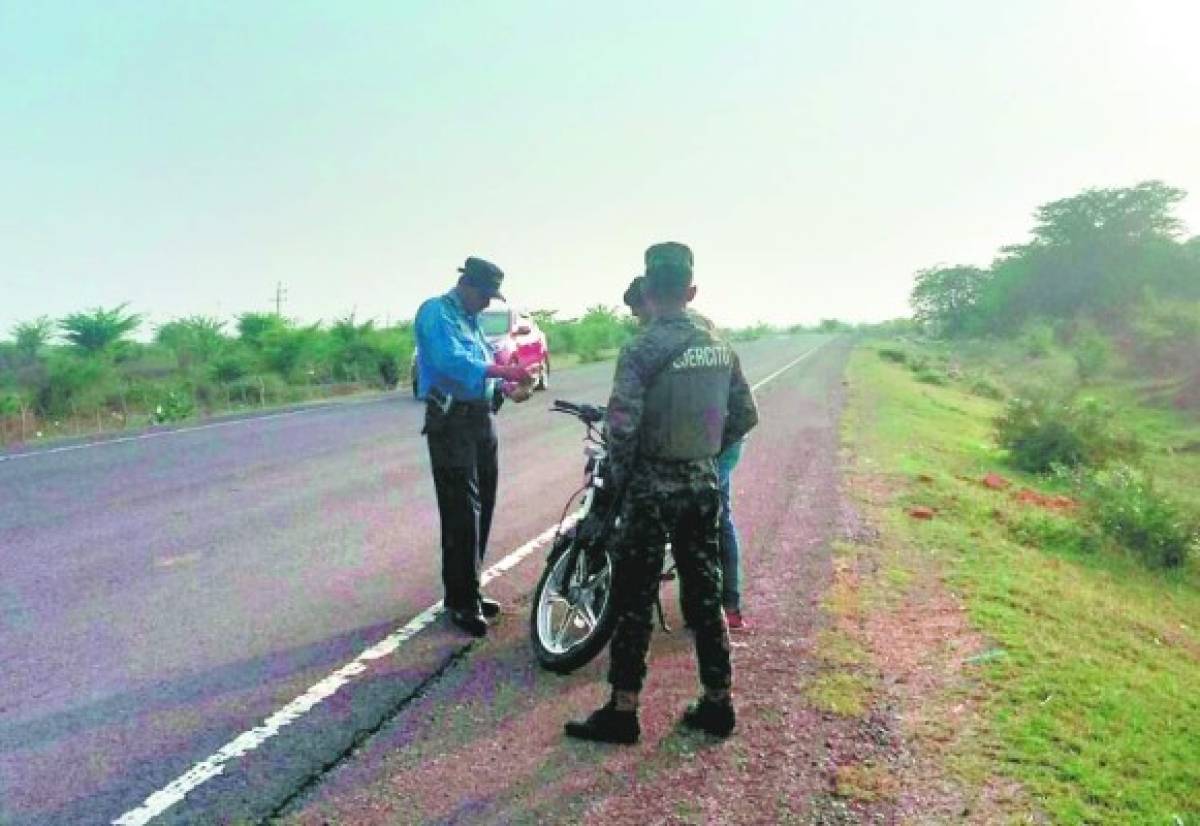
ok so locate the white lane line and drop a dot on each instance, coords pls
(248, 741)
(12, 457)
(207, 769)
(788, 366)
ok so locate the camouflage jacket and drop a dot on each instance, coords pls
(678, 395)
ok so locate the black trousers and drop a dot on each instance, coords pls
(463, 455)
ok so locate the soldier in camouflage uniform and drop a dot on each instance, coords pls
(727, 460)
(679, 397)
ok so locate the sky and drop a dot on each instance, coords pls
(187, 157)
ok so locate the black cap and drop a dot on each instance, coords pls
(484, 276)
(669, 264)
(634, 295)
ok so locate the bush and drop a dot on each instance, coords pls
(928, 375)
(560, 336)
(394, 351)
(206, 394)
(74, 383)
(1052, 532)
(261, 389)
(1166, 335)
(833, 325)
(1092, 354)
(1126, 506)
(918, 362)
(752, 333)
(229, 367)
(1037, 339)
(389, 370)
(174, 405)
(1042, 432)
(590, 341)
(893, 354)
(599, 331)
(985, 389)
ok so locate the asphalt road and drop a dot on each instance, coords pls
(162, 595)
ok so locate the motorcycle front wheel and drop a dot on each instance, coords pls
(573, 613)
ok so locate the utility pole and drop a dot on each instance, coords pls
(280, 294)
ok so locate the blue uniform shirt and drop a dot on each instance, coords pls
(452, 352)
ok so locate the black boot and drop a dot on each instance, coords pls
(716, 718)
(470, 620)
(607, 725)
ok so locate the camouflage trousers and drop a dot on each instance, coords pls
(679, 500)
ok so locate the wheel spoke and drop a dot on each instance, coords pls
(560, 636)
(588, 616)
(599, 583)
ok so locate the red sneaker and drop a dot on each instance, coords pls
(733, 619)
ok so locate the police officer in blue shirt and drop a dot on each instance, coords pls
(462, 387)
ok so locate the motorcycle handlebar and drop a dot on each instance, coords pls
(588, 413)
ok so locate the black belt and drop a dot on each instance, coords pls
(457, 406)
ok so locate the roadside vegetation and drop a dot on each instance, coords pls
(1092, 643)
(1036, 445)
(94, 370)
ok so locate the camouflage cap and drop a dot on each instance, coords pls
(669, 264)
(634, 297)
(484, 276)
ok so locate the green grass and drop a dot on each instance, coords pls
(1094, 704)
(1165, 433)
(842, 693)
(839, 648)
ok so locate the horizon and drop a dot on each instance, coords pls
(186, 161)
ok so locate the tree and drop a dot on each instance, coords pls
(97, 331)
(945, 297)
(74, 383)
(1093, 254)
(229, 367)
(31, 336)
(253, 327)
(195, 339)
(544, 317)
(395, 346)
(1132, 214)
(600, 329)
(290, 351)
(352, 350)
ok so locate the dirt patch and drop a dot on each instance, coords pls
(1028, 496)
(1022, 496)
(923, 648)
(994, 481)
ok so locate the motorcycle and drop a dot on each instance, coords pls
(574, 612)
